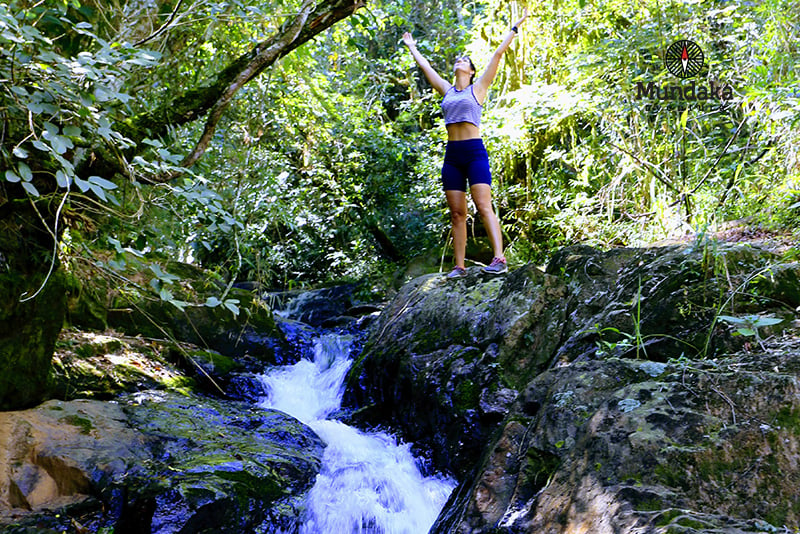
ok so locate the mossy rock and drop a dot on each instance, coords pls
(101, 366)
(224, 457)
(155, 461)
(136, 308)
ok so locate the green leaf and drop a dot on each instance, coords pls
(152, 142)
(766, 321)
(117, 265)
(12, 177)
(62, 179)
(162, 275)
(25, 172)
(102, 182)
(736, 174)
(99, 191)
(111, 198)
(21, 153)
(231, 304)
(102, 95)
(41, 146)
(180, 304)
(684, 117)
(60, 143)
(30, 189)
(82, 184)
(72, 131)
(212, 302)
(116, 243)
(733, 320)
(165, 294)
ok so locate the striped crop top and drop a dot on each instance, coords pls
(461, 106)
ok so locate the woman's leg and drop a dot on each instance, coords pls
(482, 196)
(457, 201)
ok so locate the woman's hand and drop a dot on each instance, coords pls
(524, 16)
(408, 40)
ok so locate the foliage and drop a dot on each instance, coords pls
(581, 158)
(748, 325)
(327, 165)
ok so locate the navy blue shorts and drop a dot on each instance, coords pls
(465, 161)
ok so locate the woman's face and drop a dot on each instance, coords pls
(463, 63)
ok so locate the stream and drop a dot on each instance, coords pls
(369, 483)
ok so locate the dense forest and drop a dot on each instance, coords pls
(155, 130)
(222, 239)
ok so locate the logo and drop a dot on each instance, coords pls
(684, 59)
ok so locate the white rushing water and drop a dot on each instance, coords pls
(369, 483)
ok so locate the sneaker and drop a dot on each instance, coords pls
(457, 272)
(498, 266)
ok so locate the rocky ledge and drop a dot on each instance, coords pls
(633, 390)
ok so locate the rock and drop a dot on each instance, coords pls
(443, 345)
(136, 310)
(60, 453)
(612, 448)
(600, 396)
(155, 462)
(668, 297)
(90, 365)
(221, 465)
(316, 306)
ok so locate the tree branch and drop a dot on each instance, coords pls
(163, 27)
(264, 57)
(215, 96)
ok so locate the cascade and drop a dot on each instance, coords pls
(369, 483)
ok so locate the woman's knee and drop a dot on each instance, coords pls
(458, 215)
(485, 210)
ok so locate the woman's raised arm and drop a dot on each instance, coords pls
(482, 84)
(438, 83)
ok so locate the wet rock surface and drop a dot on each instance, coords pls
(603, 395)
(156, 461)
(146, 438)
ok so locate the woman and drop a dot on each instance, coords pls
(466, 160)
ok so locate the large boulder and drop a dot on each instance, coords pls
(157, 461)
(638, 446)
(599, 396)
(145, 305)
(446, 357)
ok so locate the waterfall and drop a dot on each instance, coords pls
(368, 483)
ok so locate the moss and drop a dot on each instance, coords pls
(466, 396)
(784, 513)
(83, 423)
(653, 504)
(28, 334)
(692, 523)
(788, 418)
(214, 362)
(666, 517)
(539, 467)
(672, 474)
